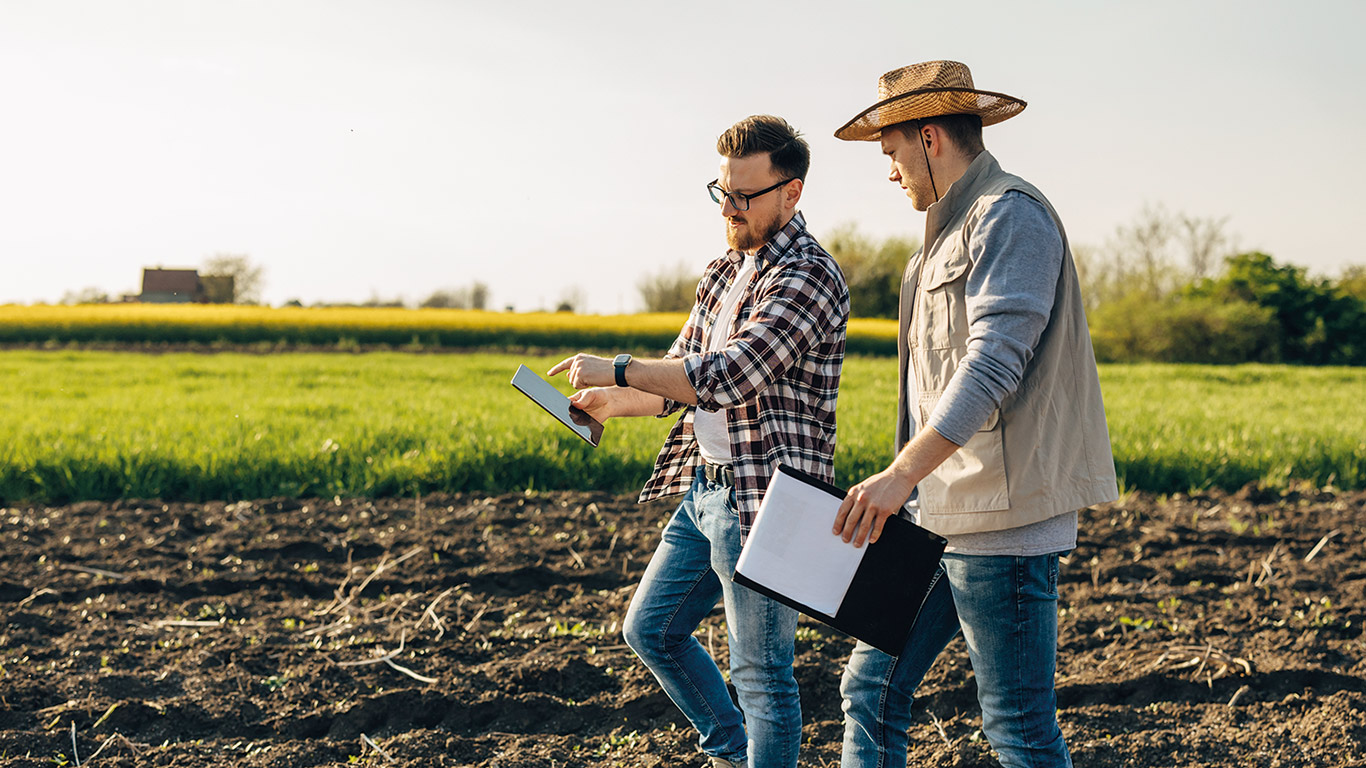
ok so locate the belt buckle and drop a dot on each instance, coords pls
(719, 474)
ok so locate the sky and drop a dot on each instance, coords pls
(360, 149)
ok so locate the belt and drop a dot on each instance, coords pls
(719, 474)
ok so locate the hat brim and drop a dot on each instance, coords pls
(992, 107)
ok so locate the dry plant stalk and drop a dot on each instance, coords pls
(1200, 659)
(37, 593)
(940, 727)
(343, 600)
(1327, 537)
(388, 658)
(369, 742)
(1267, 572)
(119, 738)
(96, 572)
(430, 613)
(181, 623)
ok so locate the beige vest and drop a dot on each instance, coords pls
(1045, 451)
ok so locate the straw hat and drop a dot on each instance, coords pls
(928, 89)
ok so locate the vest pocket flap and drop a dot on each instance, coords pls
(947, 271)
(992, 421)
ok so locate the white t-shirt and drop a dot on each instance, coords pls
(709, 427)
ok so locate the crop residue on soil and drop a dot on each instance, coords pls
(1215, 630)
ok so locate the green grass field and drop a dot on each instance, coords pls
(104, 425)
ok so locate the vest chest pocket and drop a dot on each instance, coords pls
(942, 312)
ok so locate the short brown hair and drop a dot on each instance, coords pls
(787, 150)
(965, 131)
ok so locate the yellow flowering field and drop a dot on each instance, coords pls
(233, 325)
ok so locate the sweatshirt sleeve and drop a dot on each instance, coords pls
(1016, 252)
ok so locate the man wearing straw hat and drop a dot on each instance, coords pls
(1000, 427)
(756, 372)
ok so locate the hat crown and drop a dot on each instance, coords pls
(925, 90)
(922, 76)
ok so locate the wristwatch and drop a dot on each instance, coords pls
(620, 364)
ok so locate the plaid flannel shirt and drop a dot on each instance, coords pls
(778, 375)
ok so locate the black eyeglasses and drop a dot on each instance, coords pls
(738, 200)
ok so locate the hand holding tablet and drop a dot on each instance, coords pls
(556, 404)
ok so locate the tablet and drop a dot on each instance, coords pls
(556, 404)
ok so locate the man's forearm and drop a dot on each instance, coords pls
(665, 378)
(869, 504)
(629, 401)
(926, 451)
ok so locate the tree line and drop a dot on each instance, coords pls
(1166, 287)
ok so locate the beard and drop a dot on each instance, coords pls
(753, 235)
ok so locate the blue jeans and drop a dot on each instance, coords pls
(690, 571)
(1006, 608)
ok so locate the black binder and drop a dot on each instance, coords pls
(889, 587)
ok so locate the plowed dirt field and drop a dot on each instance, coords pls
(1216, 630)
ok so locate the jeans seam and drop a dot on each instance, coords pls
(1028, 729)
(882, 712)
(1021, 576)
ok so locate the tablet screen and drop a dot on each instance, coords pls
(557, 405)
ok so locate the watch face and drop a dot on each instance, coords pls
(623, 359)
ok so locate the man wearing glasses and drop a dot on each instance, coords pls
(755, 371)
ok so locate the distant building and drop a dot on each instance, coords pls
(185, 286)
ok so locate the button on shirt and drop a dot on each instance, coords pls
(778, 374)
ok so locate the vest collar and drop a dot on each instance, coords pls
(959, 197)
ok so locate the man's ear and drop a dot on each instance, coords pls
(792, 193)
(934, 140)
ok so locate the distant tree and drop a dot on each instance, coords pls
(1204, 241)
(1142, 253)
(247, 279)
(376, 301)
(1318, 324)
(1096, 275)
(572, 300)
(90, 295)
(475, 296)
(1352, 281)
(1154, 255)
(671, 290)
(446, 298)
(479, 295)
(1184, 329)
(872, 270)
